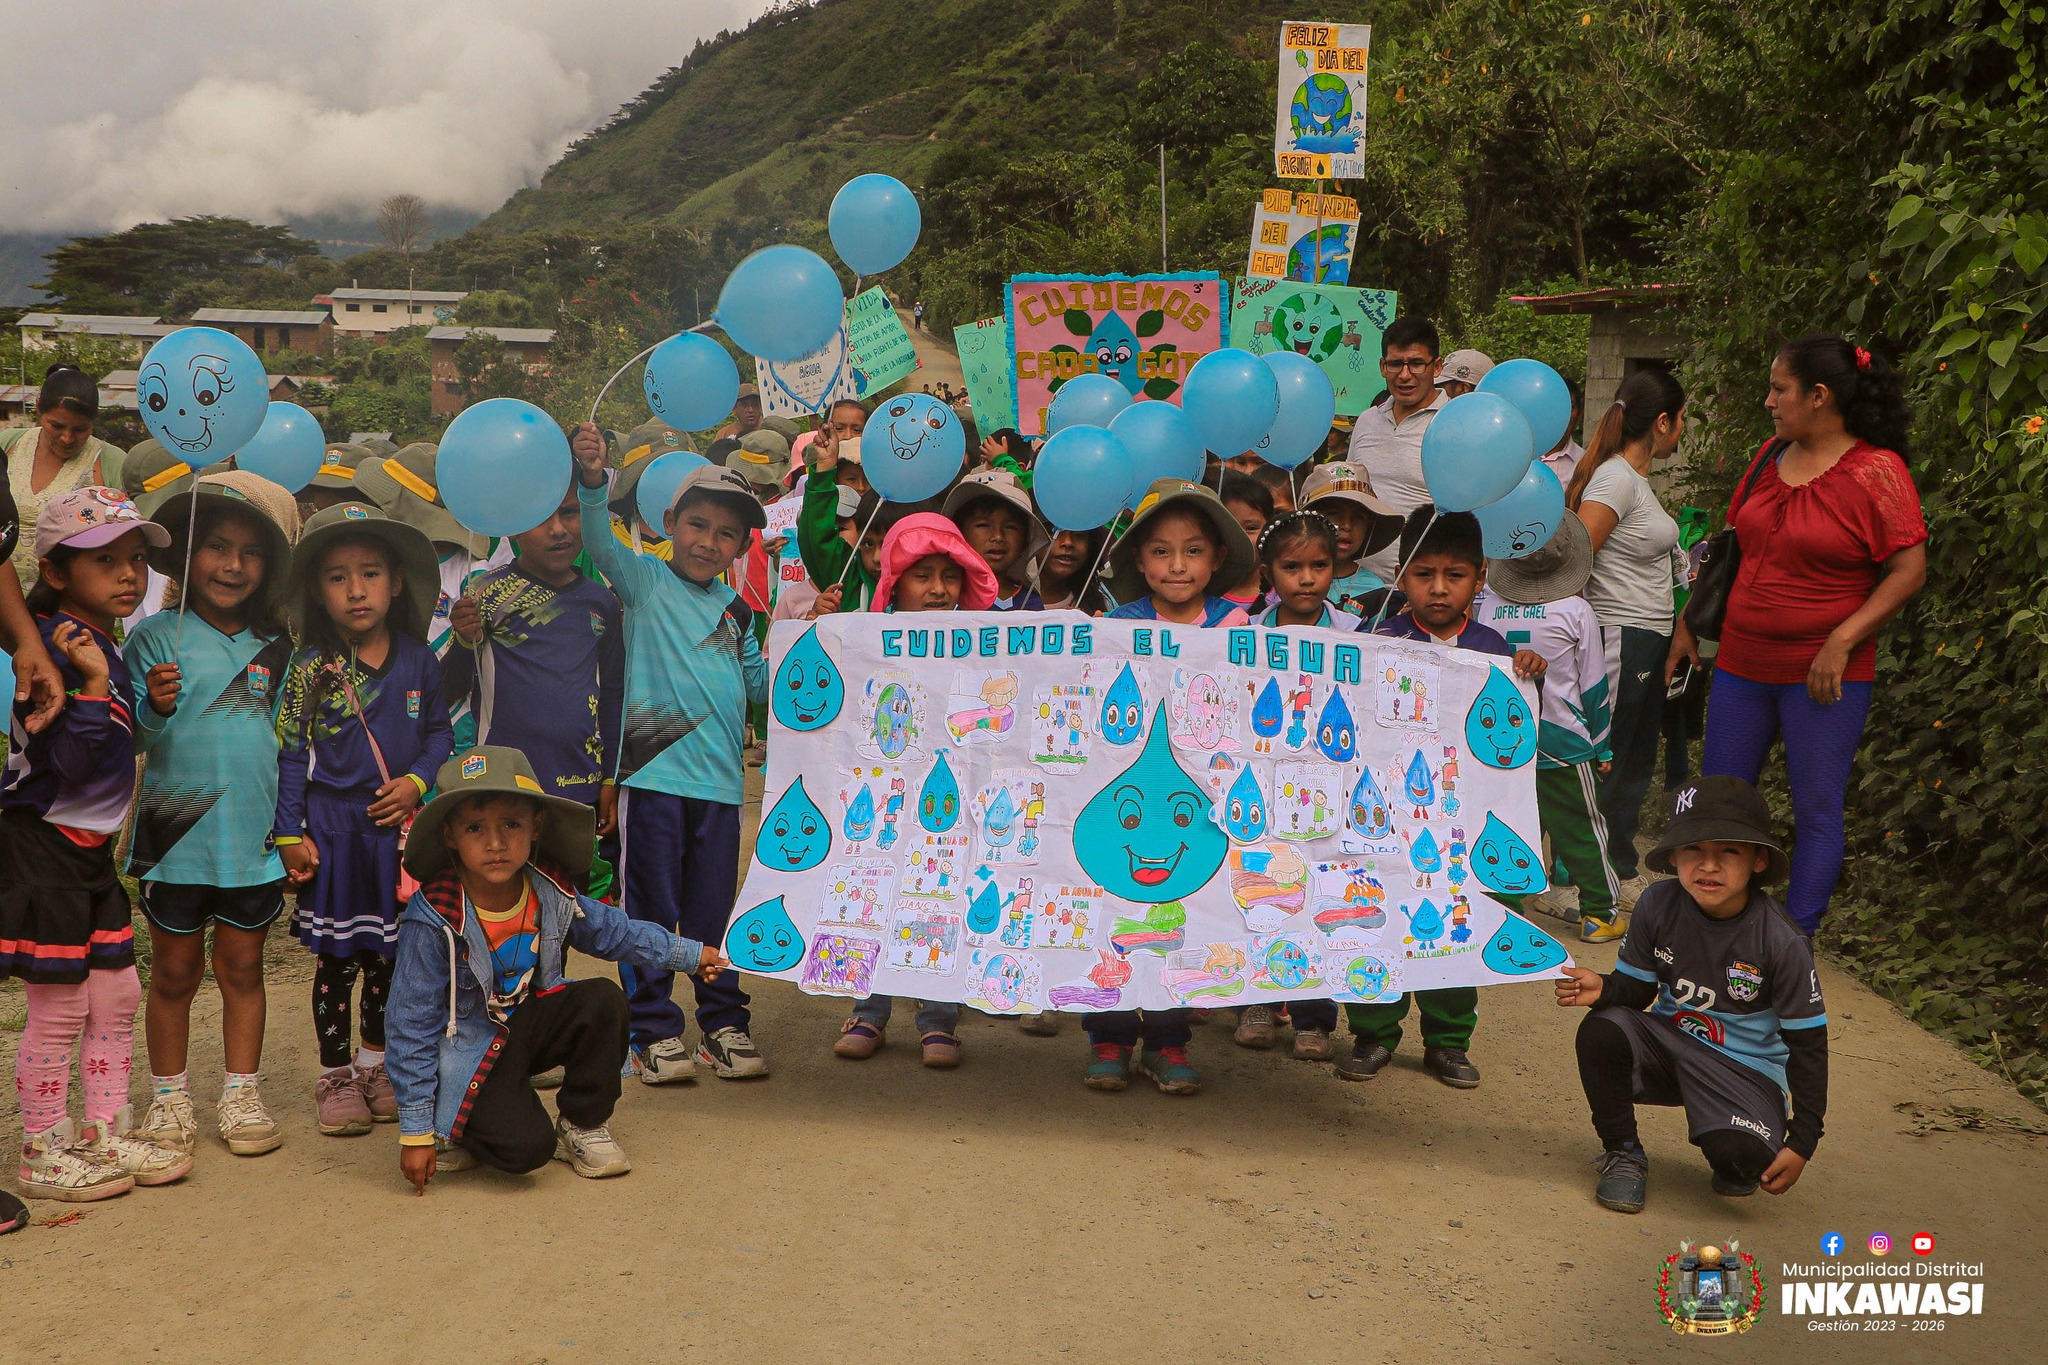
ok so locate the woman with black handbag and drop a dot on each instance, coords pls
(1635, 543)
(1831, 544)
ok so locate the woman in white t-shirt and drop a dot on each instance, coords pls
(1634, 543)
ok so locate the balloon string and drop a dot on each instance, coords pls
(1400, 569)
(703, 326)
(185, 579)
(854, 558)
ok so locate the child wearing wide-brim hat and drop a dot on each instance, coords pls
(404, 487)
(411, 552)
(1236, 560)
(497, 858)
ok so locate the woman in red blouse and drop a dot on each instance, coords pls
(1833, 544)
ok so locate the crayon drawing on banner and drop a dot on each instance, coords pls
(990, 377)
(1320, 118)
(1337, 327)
(1144, 331)
(1305, 238)
(1091, 814)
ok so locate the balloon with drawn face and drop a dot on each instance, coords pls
(912, 447)
(202, 393)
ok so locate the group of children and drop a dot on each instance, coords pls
(441, 747)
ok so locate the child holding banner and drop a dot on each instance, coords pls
(1182, 542)
(926, 566)
(1443, 567)
(692, 666)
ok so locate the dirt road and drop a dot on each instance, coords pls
(1003, 1213)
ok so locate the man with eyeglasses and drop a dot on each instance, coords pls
(1387, 440)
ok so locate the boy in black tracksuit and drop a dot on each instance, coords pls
(1735, 1029)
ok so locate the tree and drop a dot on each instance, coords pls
(138, 270)
(402, 222)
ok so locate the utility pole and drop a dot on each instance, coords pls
(1162, 208)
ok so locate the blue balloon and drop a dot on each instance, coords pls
(656, 491)
(1083, 478)
(874, 222)
(202, 393)
(503, 466)
(1474, 451)
(1162, 444)
(1539, 393)
(691, 382)
(1086, 400)
(1308, 404)
(1526, 518)
(781, 303)
(1231, 399)
(286, 449)
(912, 447)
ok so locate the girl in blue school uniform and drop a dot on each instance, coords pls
(361, 733)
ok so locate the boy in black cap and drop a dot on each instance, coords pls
(1735, 1032)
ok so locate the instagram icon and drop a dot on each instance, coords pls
(1880, 1244)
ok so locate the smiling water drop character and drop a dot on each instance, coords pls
(1499, 728)
(808, 690)
(1420, 787)
(999, 821)
(764, 939)
(1335, 734)
(1426, 855)
(1148, 836)
(1244, 810)
(1370, 814)
(1123, 710)
(1503, 860)
(938, 802)
(794, 836)
(1266, 713)
(985, 911)
(860, 816)
(1519, 948)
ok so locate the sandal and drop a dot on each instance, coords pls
(941, 1050)
(858, 1040)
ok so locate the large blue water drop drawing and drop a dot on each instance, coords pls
(1420, 787)
(1147, 836)
(1336, 736)
(1499, 729)
(794, 836)
(1266, 713)
(1123, 709)
(1503, 861)
(764, 939)
(860, 816)
(1426, 855)
(1370, 814)
(1244, 809)
(808, 690)
(1519, 948)
(938, 802)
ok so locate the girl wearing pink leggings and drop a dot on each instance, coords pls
(65, 929)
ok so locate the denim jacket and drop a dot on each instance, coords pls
(440, 1040)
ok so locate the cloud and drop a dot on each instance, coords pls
(267, 111)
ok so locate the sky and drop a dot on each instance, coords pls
(275, 109)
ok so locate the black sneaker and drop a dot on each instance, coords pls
(1624, 1179)
(13, 1213)
(1733, 1186)
(1451, 1066)
(1366, 1060)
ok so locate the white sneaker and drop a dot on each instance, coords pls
(245, 1125)
(452, 1156)
(731, 1055)
(116, 1141)
(665, 1061)
(55, 1166)
(169, 1122)
(1632, 890)
(591, 1152)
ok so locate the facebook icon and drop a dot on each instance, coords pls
(1831, 1243)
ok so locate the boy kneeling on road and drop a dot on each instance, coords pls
(478, 1000)
(1735, 1032)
